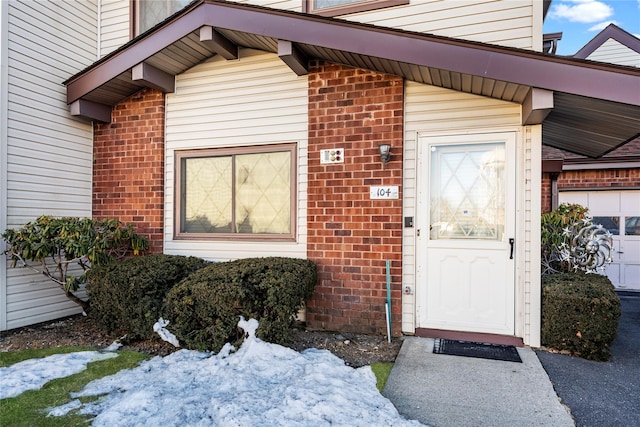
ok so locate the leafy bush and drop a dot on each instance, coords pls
(127, 297)
(204, 308)
(580, 314)
(58, 243)
(571, 242)
(556, 225)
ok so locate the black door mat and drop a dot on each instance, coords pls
(475, 349)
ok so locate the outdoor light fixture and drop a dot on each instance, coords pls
(385, 152)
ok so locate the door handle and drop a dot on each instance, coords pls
(512, 243)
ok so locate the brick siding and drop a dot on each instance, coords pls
(545, 190)
(350, 237)
(604, 178)
(128, 166)
(611, 179)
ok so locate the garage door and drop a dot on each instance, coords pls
(619, 212)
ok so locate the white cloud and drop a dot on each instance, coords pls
(584, 11)
(601, 26)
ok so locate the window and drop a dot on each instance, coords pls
(468, 190)
(610, 223)
(344, 7)
(239, 193)
(151, 12)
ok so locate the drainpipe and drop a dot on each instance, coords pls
(553, 168)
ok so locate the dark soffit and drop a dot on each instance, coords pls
(489, 70)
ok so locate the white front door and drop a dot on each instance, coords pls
(466, 233)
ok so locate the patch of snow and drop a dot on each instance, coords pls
(260, 384)
(32, 374)
(113, 347)
(159, 328)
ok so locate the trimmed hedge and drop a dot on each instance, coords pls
(580, 314)
(127, 297)
(204, 308)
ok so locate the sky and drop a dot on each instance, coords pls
(260, 384)
(582, 20)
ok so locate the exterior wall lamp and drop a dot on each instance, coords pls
(385, 153)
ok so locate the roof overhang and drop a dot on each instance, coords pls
(577, 100)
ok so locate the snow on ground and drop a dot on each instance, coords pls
(261, 384)
(32, 374)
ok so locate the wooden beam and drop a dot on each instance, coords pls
(218, 43)
(293, 57)
(154, 78)
(536, 106)
(91, 110)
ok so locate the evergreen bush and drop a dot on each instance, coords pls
(580, 314)
(127, 297)
(204, 308)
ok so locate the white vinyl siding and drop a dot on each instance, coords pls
(529, 293)
(115, 25)
(293, 5)
(4, 26)
(252, 101)
(433, 109)
(513, 23)
(48, 153)
(615, 53)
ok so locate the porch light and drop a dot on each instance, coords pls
(385, 152)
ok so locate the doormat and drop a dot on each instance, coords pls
(475, 349)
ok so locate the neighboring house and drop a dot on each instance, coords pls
(609, 185)
(232, 130)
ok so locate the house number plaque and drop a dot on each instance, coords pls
(380, 192)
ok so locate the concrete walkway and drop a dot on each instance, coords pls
(454, 391)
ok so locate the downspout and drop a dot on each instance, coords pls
(553, 168)
(388, 304)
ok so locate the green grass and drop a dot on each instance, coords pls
(29, 408)
(382, 371)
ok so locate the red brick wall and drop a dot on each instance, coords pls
(590, 179)
(128, 166)
(604, 178)
(350, 237)
(545, 190)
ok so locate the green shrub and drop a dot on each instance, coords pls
(55, 244)
(557, 229)
(580, 314)
(127, 297)
(204, 308)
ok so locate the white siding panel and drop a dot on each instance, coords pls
(255, 100)
(48, 153)
(505, 22)
(115, 30)
(434, 109)
(615, 52)
(529, 280)
(294, 5)
(514, 23)
(4, 105)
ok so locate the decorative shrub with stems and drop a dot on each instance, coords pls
(572, 242)
(51, 245)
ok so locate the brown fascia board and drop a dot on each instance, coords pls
(614, 83)
(612, 31)
(546, 4)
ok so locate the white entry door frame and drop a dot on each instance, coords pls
(466, 232)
